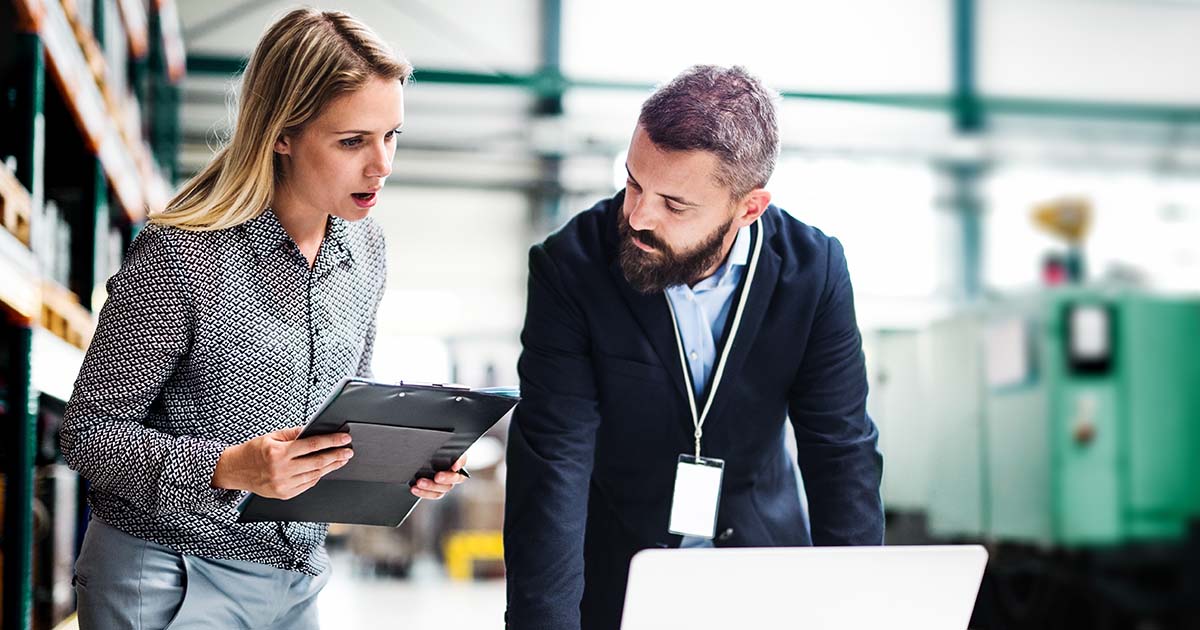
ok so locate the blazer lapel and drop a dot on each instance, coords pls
(766, 276)
(654, 317)
(650, 311)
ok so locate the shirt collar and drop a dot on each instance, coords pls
(739, 256)
(266, 234)
(338, 241)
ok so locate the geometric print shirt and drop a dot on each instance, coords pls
(206, 340)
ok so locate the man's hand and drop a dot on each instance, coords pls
(441, 483)
(279, 466)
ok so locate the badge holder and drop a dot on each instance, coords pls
(697, 496)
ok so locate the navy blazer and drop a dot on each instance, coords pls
(604, 416)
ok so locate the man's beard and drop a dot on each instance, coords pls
(651, 272)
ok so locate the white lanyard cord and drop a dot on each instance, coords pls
(698, 420)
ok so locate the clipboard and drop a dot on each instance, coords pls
(401, 432)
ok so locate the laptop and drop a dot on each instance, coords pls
(813, 588)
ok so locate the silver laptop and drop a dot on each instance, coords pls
(813, 588)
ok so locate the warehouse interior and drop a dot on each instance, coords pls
(1016, 184)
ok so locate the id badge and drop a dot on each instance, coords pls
(697, 496)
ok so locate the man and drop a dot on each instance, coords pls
(690, 264)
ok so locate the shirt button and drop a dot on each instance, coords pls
(695, 356)
(690, 297)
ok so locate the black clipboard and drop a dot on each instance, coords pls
(401, 432)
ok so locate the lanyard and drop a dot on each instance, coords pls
(698, 420)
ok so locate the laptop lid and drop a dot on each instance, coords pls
(814, 588)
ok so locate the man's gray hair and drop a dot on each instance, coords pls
(726, 111)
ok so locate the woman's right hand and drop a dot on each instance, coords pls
(278, 466)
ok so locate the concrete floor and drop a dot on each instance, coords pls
(353, 600)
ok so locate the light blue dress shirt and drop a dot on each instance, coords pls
(700, 313)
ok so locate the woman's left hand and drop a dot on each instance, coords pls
(441, 483)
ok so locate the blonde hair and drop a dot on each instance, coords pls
(303, 61)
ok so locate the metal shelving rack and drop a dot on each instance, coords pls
(126, 138)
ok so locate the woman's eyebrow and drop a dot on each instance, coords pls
(364, 132)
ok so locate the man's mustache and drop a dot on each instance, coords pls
(648, 238)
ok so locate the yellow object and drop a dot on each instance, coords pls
(462, 549)
(1068, 218)
(70, 623)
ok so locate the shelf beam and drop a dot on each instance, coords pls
(170, 39)
(137, 26)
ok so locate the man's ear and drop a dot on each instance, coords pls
(751, 206)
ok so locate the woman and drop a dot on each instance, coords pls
(236, 312)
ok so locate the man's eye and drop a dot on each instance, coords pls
(676, 210)
(351, 142)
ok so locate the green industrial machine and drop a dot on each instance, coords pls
(1124, 425)
(1062, 429)
(1068, 418)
